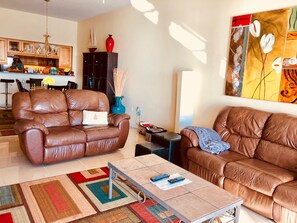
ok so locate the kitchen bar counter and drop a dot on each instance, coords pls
(12, 88)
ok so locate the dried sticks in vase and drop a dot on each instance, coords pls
(119, 80)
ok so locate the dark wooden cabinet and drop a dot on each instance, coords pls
(98, 72)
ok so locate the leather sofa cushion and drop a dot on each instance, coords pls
(54, 119)
(44, 106)
(79, 100)
(277, 154)
(59, 136)
(21, 106)
(258, 175)
(94, 133)
(242, 128)
(279, 144)
(45, 102)
(286, 195)
(214, 163)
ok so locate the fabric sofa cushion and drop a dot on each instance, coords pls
(279, 144)
(60, 136)
(258, 175)
(286, 195)
(242, 128)
(214, 163)
(94, 118)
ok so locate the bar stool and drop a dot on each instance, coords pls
(6, 81)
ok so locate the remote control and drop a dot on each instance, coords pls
(177, 179)
(159, 177)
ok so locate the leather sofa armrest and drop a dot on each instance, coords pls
(115, 119)
(189, 139)
(23, 125)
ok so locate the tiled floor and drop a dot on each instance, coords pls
(15, 168)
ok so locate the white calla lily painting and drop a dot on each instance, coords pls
(262, 60)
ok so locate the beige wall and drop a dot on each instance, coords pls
(189, 35)
(28, 26)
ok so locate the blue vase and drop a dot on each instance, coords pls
(118, 107)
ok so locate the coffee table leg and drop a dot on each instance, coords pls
(237, 211)
(110, 183)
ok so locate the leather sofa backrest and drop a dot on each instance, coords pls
(279, 141)
(241, 127)
(79, 100)
(43, 106)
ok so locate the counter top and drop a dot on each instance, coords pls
(12, 87)
(59, 79)
(18, 73)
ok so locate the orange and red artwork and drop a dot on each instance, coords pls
(262, 60)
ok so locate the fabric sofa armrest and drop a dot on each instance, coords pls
(115, 119)
(189, 139)
(23, 125)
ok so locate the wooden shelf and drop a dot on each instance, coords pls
(34, 52)
(31, 55)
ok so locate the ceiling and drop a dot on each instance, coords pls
(75, 10)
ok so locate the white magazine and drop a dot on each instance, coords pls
(165, 185)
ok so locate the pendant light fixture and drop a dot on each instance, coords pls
(46, 35)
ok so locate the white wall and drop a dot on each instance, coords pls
(189, 35)
(28, 26)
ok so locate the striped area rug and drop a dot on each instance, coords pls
(6, 123)
(77, 197)
(7, 132)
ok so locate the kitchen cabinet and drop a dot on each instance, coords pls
(28, 47)
(35, 53)
(33, 49)
(65, 57)
(14, 46)
(3, 51)
(98, 72)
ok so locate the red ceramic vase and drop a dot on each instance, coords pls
(109, 43)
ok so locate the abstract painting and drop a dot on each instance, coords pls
(262, 60)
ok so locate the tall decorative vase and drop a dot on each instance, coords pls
(118, 107)
(109, 43)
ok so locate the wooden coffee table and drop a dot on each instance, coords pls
(197, 201)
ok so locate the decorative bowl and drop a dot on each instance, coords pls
(92, 50)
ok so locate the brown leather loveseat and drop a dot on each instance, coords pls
(261, 164)
(49, 125)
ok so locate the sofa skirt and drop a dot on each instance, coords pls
(283, 215)
(254, 200)
(102, 146)
(206, 174)
(61, 153)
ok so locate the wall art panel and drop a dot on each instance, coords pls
(263, 46)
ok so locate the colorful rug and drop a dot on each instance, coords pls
(6, 123)
(7, 132)
(6, 116)
(77, 197)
